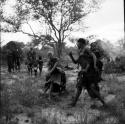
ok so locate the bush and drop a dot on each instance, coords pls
(117, 66)
(120, 63)
(110, 67)
(12, 46)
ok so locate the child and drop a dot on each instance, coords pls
(35, 67)
(40, 64)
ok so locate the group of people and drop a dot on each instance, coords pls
(55, 78)
(33, 64)
(89, 75)
(88, 78)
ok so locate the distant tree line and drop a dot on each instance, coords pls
(116, 66)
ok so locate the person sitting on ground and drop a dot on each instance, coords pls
(55, 75)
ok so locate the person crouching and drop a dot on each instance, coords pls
(55, 78)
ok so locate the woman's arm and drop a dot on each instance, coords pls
(55, 65)
(94, 59)
(72, 58)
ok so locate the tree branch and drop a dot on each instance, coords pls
(32, 35)
(30, 27)
(49, 22)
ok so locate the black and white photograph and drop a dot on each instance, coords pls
(62, 62)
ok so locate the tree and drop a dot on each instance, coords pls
(11, 46)
(58, 15)
(122, 43)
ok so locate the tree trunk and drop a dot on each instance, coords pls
(59, 49)
(55, 50)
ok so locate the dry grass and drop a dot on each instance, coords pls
(23, 96)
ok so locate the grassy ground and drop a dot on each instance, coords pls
(22, 95)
